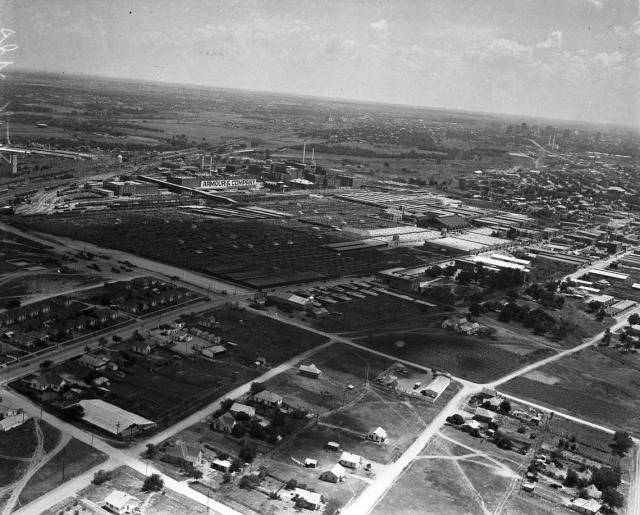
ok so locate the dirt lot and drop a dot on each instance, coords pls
(591, 385)
(76, 456)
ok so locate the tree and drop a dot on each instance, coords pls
(102, 476)
(605, 477)
(475, 309)
(456, 419)
(612, 497)
(256, 388)
(153, 483)
(622, 442)
(634, 319)
(46, 363)
(74, 412)
(151, 451)
(12, 304)
(571, 479)
(505, 406)
(247, 452)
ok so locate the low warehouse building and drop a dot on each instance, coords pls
(436, 387)
(112, 419)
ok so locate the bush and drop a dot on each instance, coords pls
(621, 442)
(613, 498)
(247, 452)
(153, 483)
(102, 476)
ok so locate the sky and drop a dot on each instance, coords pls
(569, 59)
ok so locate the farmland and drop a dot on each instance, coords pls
(590, 384)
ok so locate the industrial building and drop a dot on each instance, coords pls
(112, 419)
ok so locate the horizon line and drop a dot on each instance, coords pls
(28, 71)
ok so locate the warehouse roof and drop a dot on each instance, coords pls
(111, 418)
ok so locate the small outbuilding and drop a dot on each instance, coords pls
(377, 435)
(309, 371)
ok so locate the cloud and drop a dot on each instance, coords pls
(502, 47)
(622, 32)
(554, 40)
(608, 60)
(380, 27)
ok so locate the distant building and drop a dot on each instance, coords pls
(377, 435)
(306, 499)
(224, 423)
(182, 453)
(436, 387)
(586, 506)
(236, 408)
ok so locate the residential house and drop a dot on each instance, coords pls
(309, 371)
(221, 465)
(47, 381)
(212, 351)
(377, 435)
(349, 460)
(493, 403)
(236, 408)
(461, 325)
(93, 362)
(224, 423)
(593, 492)
(182, 453)
(267, 398)
(8, 411)
(8, 423)
(336, 474)
(121, 502)
(586, 506)
(484, 415)
(143, 348)
(306, 499)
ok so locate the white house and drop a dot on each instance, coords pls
(377, 435)
(121, 502)
(336, 474)
(349, 460)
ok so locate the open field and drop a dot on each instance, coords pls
(591, 385)
(71, 461)
(257, 335)
(375, 314)
(430, 486)
(468, 357)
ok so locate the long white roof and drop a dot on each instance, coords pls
(110, 418)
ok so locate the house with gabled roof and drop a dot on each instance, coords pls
(267, 398)
(224, 423)
(335, 474)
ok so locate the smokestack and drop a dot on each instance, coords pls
(304, 151)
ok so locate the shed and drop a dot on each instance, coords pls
(333, 446)
(309, 371)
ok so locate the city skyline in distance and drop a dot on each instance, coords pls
(573, 60)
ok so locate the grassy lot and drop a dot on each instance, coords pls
(341, 365)
(130, 481)
(591, 385)
(21, 442)
(76, 456)
(374, 314)
(257, 335)
(523, 502)
(468, 357)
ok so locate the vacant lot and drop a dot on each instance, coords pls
(257, 335)
(72, 460)
(341, 366)
(382, 313)
(468, 357)
(591, 385)
(430, 486)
